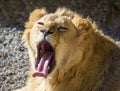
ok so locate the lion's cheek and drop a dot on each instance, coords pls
(35, 38)
(68, 58)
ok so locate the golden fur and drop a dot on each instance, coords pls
(86, 59)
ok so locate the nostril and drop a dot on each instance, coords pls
(43, 31)
(49, 32)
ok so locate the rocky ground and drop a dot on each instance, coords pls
(13, 59)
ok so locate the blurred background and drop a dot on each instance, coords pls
(13, 14)
(106, 13)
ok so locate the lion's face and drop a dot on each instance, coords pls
(54, 41)
(54, 29)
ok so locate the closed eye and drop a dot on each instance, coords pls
(40, 23)
(62, 28)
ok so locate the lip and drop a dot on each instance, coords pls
(45, 60)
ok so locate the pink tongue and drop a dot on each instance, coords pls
(42, 69)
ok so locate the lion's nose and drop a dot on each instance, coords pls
(46, 32)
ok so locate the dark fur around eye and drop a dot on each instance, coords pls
(63, 28)
(40, 23)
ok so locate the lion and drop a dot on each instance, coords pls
(69, 53)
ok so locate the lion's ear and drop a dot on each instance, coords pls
(84, 26)
(34, 16)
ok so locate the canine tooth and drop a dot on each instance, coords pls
(48, 67)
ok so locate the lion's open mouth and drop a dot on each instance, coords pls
(45, 59)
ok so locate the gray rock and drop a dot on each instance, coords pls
(13, 59)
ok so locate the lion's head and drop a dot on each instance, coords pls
(57, 42)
